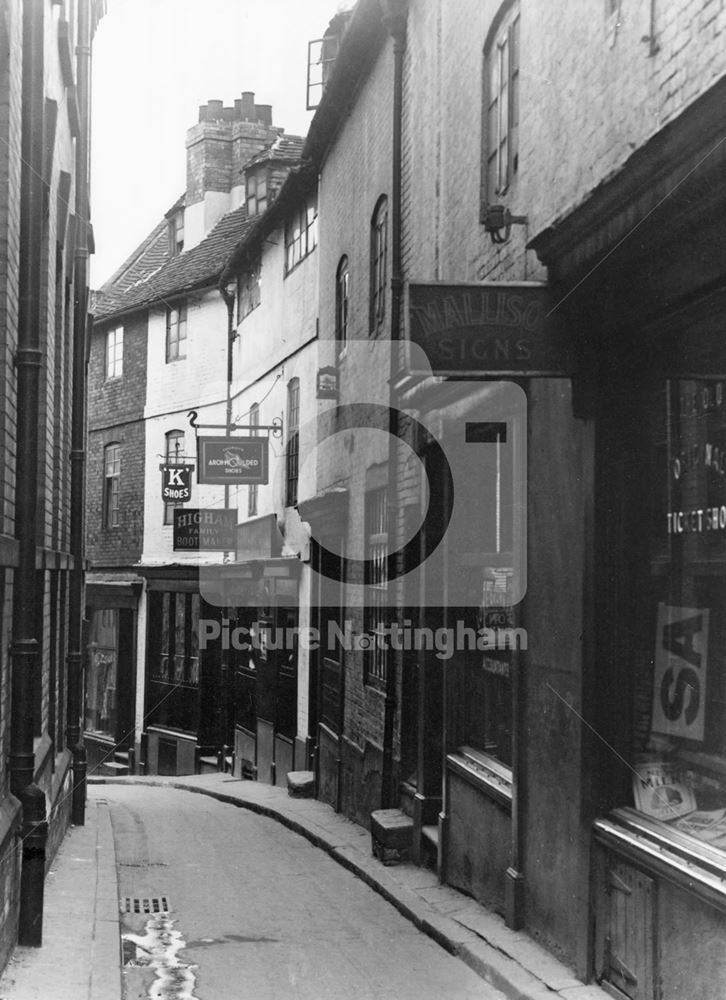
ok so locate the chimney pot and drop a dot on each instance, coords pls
(214, 110)
(263, 114)
(248, 105)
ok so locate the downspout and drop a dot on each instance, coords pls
(74, 738)
(225, 682)
(394, 17)
(28, 360)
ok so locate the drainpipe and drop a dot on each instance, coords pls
(74, 739)
(394, 17)
(228, 294)
(28, 360)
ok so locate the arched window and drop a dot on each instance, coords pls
(342, 278)
(501, 102)
(174, 456)
(292, 451)
(379, 264)
(254, 422)
(111, 484)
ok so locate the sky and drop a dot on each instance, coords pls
(154, 63)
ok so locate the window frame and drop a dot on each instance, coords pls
(292, 448)
(249, 291)
(376, 613)
(111, 484)
(342, 305)
(301, 234)
(256, 192)
(176, 234)
(114, 355)
(177, 459)
(176, 343)
(501, 103)
(378, 266)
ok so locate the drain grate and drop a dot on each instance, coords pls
(145, 904)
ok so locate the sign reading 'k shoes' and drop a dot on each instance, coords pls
(232, 461)
(176, 483)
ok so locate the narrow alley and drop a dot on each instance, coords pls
(260, 912)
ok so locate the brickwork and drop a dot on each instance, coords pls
(115, 416)
(356, 174)
(55, 294)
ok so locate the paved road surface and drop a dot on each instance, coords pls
(257, 913)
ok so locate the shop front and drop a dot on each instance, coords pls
(652, 383)
(184, 707)
(110, 670)
(263, 594)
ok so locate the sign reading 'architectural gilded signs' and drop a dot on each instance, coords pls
(232, 461)
(488, 329)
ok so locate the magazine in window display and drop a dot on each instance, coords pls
(660, 790)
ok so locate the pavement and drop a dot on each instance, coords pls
(81, 954)
(81, 940)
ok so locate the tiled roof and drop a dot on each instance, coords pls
(148, 257)
(286, 148)
(193, 268)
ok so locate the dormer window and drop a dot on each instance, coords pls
(256, 185)
(176, 233)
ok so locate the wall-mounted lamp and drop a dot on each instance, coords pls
(498, 222)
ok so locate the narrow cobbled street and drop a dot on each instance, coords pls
(227, 905)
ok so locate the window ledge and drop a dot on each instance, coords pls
(483, 772)
(680, 859)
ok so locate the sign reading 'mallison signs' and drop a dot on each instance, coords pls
(488, 329)
(232, 460)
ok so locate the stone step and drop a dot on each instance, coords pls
(431, 834)
(391, 835)
(301, 784)
(113, 767)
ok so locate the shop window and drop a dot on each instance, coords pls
(173, 660)
(115, 352)
(301, 234)
(292, 450)
(679, 709)
(376, 580)
(176, 333)
(501, 101)
(249, 296)
(254, 422)
(481, 680)
(174, 456)
(379, 265)
(342, 281)
(102, 674)
(111, 485)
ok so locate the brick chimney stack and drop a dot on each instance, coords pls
(218, 146)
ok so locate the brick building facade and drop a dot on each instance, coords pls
(44, 244)
(567, 151)
(529, 194)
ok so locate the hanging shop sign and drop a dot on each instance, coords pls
(489, 329)
(232, 461)
(327, 383)
(201, 529)
(176, 483)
